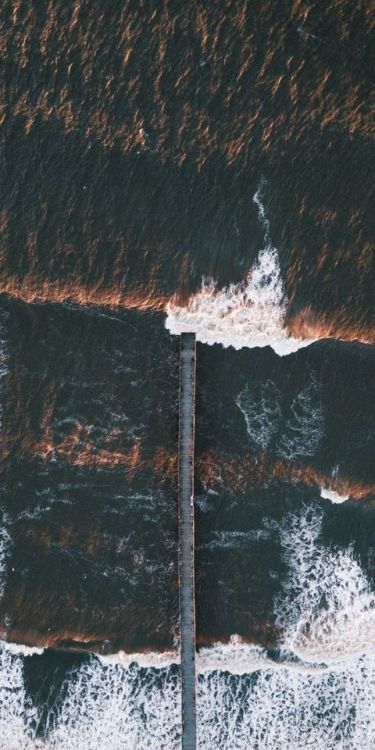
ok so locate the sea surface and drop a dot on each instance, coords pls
(170, 167)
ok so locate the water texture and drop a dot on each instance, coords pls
(171, 167)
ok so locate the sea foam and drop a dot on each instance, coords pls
(298, 427)
(304, 429)
(320, 690)
(317, 692)
(326, 611)
(328, 494)
(262, 413)
(249, 314)
(289, 708)
(5, 540)
(127, 706)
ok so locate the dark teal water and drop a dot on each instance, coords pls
(146, 148)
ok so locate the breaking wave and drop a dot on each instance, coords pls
(318, 689)
(250, 314)
(144, 659)
(288, 709)
(335, 497)
(135, 707)
(327, 608)
(235, 657)
(130, 707)
(17, 714)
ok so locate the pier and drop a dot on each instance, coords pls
(186, 537)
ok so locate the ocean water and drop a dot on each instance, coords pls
(170, 167)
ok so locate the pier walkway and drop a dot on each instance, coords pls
(186, 537)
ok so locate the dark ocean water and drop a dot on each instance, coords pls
(170, 167)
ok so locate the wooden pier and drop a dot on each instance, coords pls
(186, 537)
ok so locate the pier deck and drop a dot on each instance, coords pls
(186, 538)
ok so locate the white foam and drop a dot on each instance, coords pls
(327, 608)
(3, 356)
(332, 495)
(320, 693)
(20, 648)
(275, 705)
(288, 709)
(234, 539)
(235, 657)
(262, 413)
(104, 705)
(129, 708)
(249, 314)
(17, 715)
(242, 658)
(263, 218)
(148, 659)
(5, 545)
(305, 428)
(5, 540)
(300, 434)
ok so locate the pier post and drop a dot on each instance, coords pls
(186, 537)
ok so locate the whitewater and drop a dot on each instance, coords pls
(249, 314)
(317, 691)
